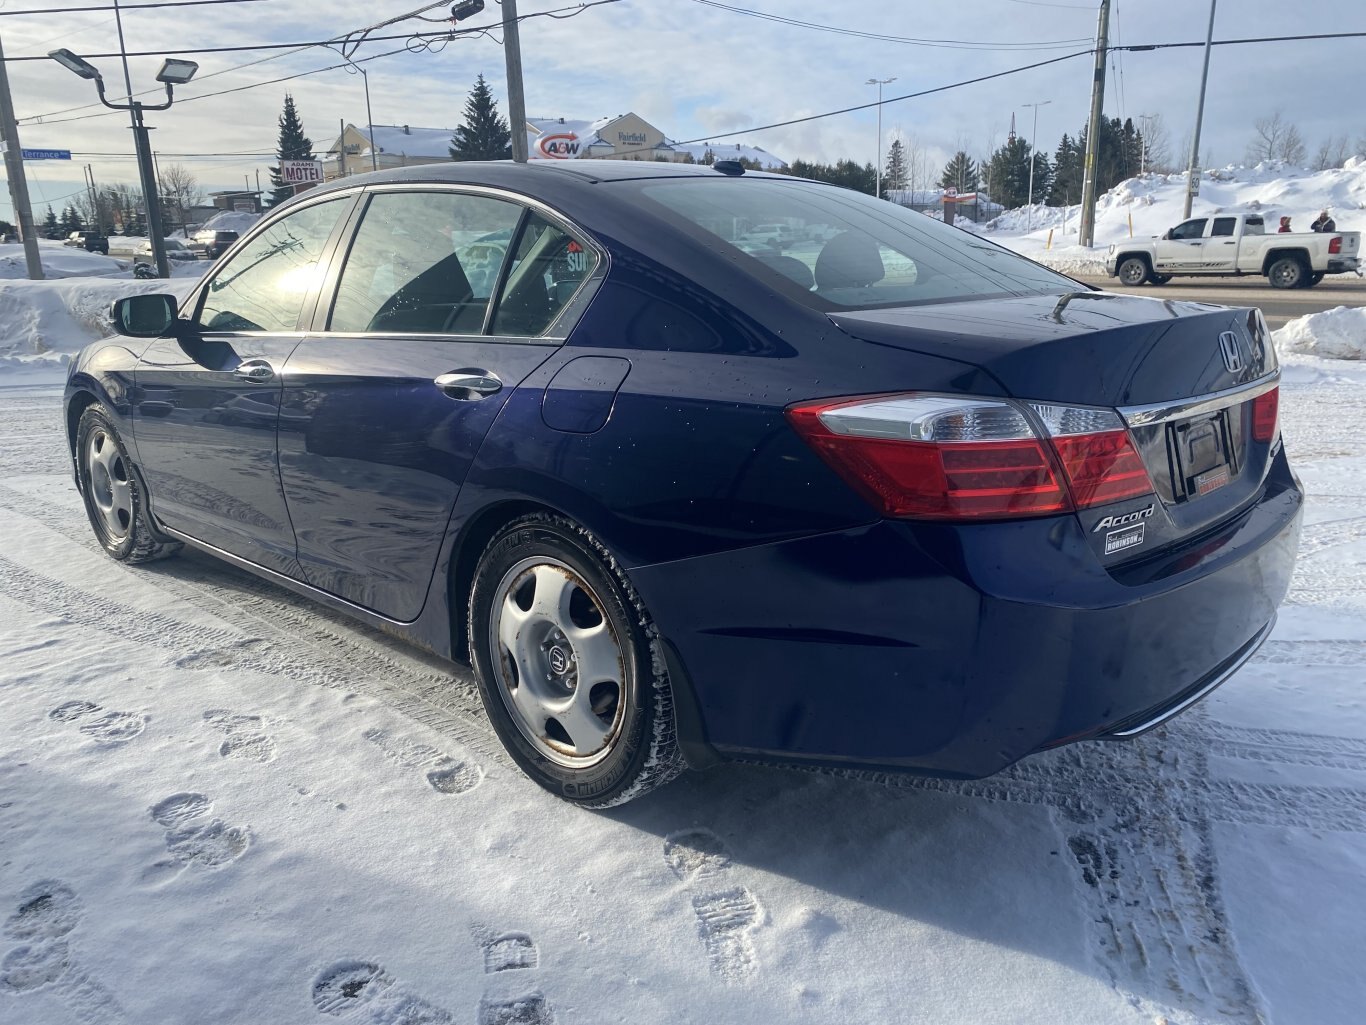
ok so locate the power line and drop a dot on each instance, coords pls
(1135, 48)
(423, 41)
(123, 7)
(248, 47)
(954, 44)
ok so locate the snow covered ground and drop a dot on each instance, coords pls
(221, 803)
(1156, 202)
(59, 261)
(1339, 333)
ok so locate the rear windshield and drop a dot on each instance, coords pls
(836, 249)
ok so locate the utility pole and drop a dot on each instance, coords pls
(18, 184)
(1193, 173)
(341, 150)
(1087, 235)
(512, 51)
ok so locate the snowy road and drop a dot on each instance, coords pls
(220, 803)
(1277, 305)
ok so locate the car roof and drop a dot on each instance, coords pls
(527, 177)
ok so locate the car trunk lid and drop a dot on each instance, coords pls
(1189, 379)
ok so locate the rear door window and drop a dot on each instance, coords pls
(1223, 227)
(424, 263)
(545, 272)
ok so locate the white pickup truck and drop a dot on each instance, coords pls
(1235, 244)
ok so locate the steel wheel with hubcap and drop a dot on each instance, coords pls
(565, 665)
(112, 492)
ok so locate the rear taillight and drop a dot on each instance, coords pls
(1335, 244)
(950, 457)
(1265, 415)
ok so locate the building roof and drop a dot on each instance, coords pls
(413, 141)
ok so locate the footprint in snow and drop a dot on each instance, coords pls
(726, 914)
(244, 736)
(359, 990)
(106, 727)
(192, 838)
(444, 774)
(510, 952)
(45, 916)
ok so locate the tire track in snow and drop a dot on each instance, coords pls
(286, 657)
(345, 653)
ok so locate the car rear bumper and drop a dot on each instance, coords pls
(958, 650)
(1343, 265)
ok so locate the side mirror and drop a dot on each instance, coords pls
(1167, 235)
(144, 316)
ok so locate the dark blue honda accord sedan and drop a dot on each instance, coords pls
(861, 490)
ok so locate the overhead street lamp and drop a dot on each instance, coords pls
(173, 72)
(1033, 152)
(879, 82)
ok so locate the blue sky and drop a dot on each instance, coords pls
(694, 70)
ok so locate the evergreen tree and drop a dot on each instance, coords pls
(1069, 165)
(1009, 173)
(71, 221)
(293, 144)
(961, 173)
(51, 229)
(484, 135)
(894, 174)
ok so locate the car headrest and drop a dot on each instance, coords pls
(849, 260)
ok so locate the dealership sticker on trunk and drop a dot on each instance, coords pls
(1127, 537)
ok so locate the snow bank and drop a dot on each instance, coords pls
(42, 323)
(1156, 202)
(59, 261)
(1339, 333)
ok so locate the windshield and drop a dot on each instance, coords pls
(840, 249)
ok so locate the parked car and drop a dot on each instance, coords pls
(678, 503)
(211, 243)
(90, 241)
(176, 251)
(1235, 245)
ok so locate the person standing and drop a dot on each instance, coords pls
(1324, 223)
(1285, 225)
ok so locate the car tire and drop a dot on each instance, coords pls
(112, 492)
(1287, 272)
(547, 600)
(1133, 271)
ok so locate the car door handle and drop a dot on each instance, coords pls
(257, 371)
(469, 383)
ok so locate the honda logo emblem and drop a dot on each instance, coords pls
(1233, 355)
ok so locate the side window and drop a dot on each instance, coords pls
(1223, 226)
(424, 263)
(546, 270)
(1254, 226)
(1189, 229)
(264, 286)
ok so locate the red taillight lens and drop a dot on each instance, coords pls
(955, 457)
(1102, 468)
(1265, 415)
(1335, 244)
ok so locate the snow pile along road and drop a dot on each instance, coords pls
(45, 322)
(1339, 333)
(1156, 202)
(59, 261)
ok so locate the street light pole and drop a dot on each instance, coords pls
(369, 118)
(173, 72)
(1033, 151)
(877, 180)
(1192, 174)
